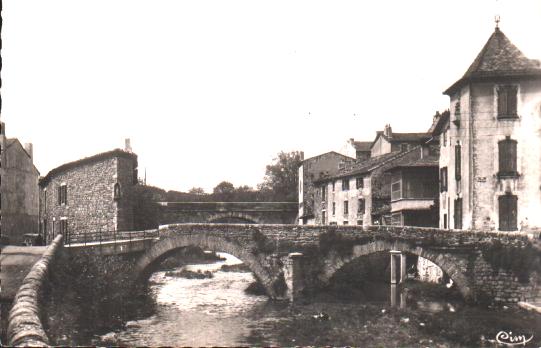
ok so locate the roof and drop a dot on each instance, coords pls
(428, 161)
(11, 141)
(328, 153)
(499, 57)
(365, 166)
(440, 123)
(362, 145)
(401, 137)
(88, 160)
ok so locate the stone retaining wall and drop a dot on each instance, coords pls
(24, 323)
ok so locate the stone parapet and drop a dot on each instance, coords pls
(24, 323)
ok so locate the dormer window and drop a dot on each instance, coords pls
(116, 192)
(507, 102)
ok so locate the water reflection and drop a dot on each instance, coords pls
(217, 311)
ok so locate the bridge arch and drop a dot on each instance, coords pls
(166, 246)
(448, 263)
(233, 217)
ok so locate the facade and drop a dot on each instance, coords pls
(360, 150)
(89, 195)
(359, 195)
(386, 141)
(490, 166)
(19, 194)
(414, 191)
(313, 169)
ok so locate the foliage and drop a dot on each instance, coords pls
(331, 240)
(97, 294)
(197, 191)
(263, 244)
(520, 261)
(281, 177)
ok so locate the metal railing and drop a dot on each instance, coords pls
(105, 236)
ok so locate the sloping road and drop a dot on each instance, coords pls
(15, 263)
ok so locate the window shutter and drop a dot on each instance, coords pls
(458, 154)
(512, 151)
(502, 102)
(65, 194)
(512, 101)
(59, 195)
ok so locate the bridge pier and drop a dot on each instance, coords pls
(402, 257)
(293, 275)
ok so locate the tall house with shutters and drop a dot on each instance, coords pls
(490, 163)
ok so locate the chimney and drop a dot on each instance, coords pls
(127, 145)
(29, 148)
(2, 128)
(302, 155)
(388, 132)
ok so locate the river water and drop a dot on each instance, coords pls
(217, 312)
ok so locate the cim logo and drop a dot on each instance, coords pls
(507, 338)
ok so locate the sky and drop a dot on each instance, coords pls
(213, 90)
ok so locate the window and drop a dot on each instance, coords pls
(404, 147)
(323, 217)
(116, 192)
(444, 138)
(333, 208)
(62, 194)
(346, 222)
(333, 184)
(456, 121)
(458, 213)
(507, 102)
(507, 212)
(346, 207)
(323, 193)
(458, 154)
(507, 155)
(359, 182)
(64, 230)
(396, 191)
(445, 221)
(345, 184)
(443, 179)
(360, 206)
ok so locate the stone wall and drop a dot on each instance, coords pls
(24, 323)
(19, 193)
(325, 249)
(91, 205)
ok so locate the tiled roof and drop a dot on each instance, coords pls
(408, 137)
(328, 153)
(441, 122)
(87, 160)
(428, 161)
(499, 57)
(362, 145)
(365, 166)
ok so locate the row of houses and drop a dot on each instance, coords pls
(90, 195)
(477, 165)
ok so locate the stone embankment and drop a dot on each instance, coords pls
(24, 323)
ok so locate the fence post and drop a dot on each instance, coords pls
(99, 231)
(114, 235)
(84, 236)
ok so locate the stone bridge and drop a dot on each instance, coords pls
(228, 212)
(288, 259)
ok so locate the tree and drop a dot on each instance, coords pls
(281, 177)
(224, 191)
(197, 191)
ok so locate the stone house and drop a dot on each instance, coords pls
(89, 195)
(490, 167)
(360, 150)
(386, 141)
(311, 169)
(414, 189)
(19, 194)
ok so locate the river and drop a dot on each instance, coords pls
(218, 312)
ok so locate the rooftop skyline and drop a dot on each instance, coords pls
(212, 93)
